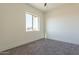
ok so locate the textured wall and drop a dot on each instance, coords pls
(12, 25)
(62, 23)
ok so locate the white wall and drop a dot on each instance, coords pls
(62, 23)
(12, 25)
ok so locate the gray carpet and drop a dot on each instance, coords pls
(46, 47)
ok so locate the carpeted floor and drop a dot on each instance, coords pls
(46, 47)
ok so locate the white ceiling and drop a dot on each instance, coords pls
(48, 7)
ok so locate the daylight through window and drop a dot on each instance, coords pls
(32, 23)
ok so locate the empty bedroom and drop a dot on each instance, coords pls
(39, 28)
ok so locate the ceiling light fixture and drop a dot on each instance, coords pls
(45, 4)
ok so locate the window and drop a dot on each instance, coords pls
(32, 23)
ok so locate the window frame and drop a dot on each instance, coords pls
(33, 22)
